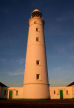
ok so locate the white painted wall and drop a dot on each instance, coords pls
(14, 89)
(73, 91)
(20, 95)
(57, 92)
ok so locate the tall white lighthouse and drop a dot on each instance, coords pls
(35, 76)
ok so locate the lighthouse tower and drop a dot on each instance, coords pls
(35, 76)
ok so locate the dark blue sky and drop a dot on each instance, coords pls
(59, 38)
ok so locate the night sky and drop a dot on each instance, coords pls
(59, 38)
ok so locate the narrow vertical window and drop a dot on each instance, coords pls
(16, 92)
(37, 76)
(37, 29)
(37, 62)
(54, 91)
(37, 38)
(67, 92)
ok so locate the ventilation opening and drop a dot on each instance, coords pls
(35, 22)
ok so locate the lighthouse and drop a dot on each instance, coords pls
(35, 76)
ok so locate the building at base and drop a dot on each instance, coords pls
(66, 92)
(62, 92)
(3, 91)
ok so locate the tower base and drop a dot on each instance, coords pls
(36, 91)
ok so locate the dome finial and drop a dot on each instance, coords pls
(35, 10)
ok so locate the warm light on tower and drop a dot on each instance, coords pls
(36, 77)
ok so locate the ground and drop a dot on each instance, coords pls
(37, 103)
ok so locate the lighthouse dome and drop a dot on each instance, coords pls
(36, 13)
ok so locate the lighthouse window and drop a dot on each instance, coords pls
(37, 76)
(37, 62)
(37, 29)
(37, 38)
